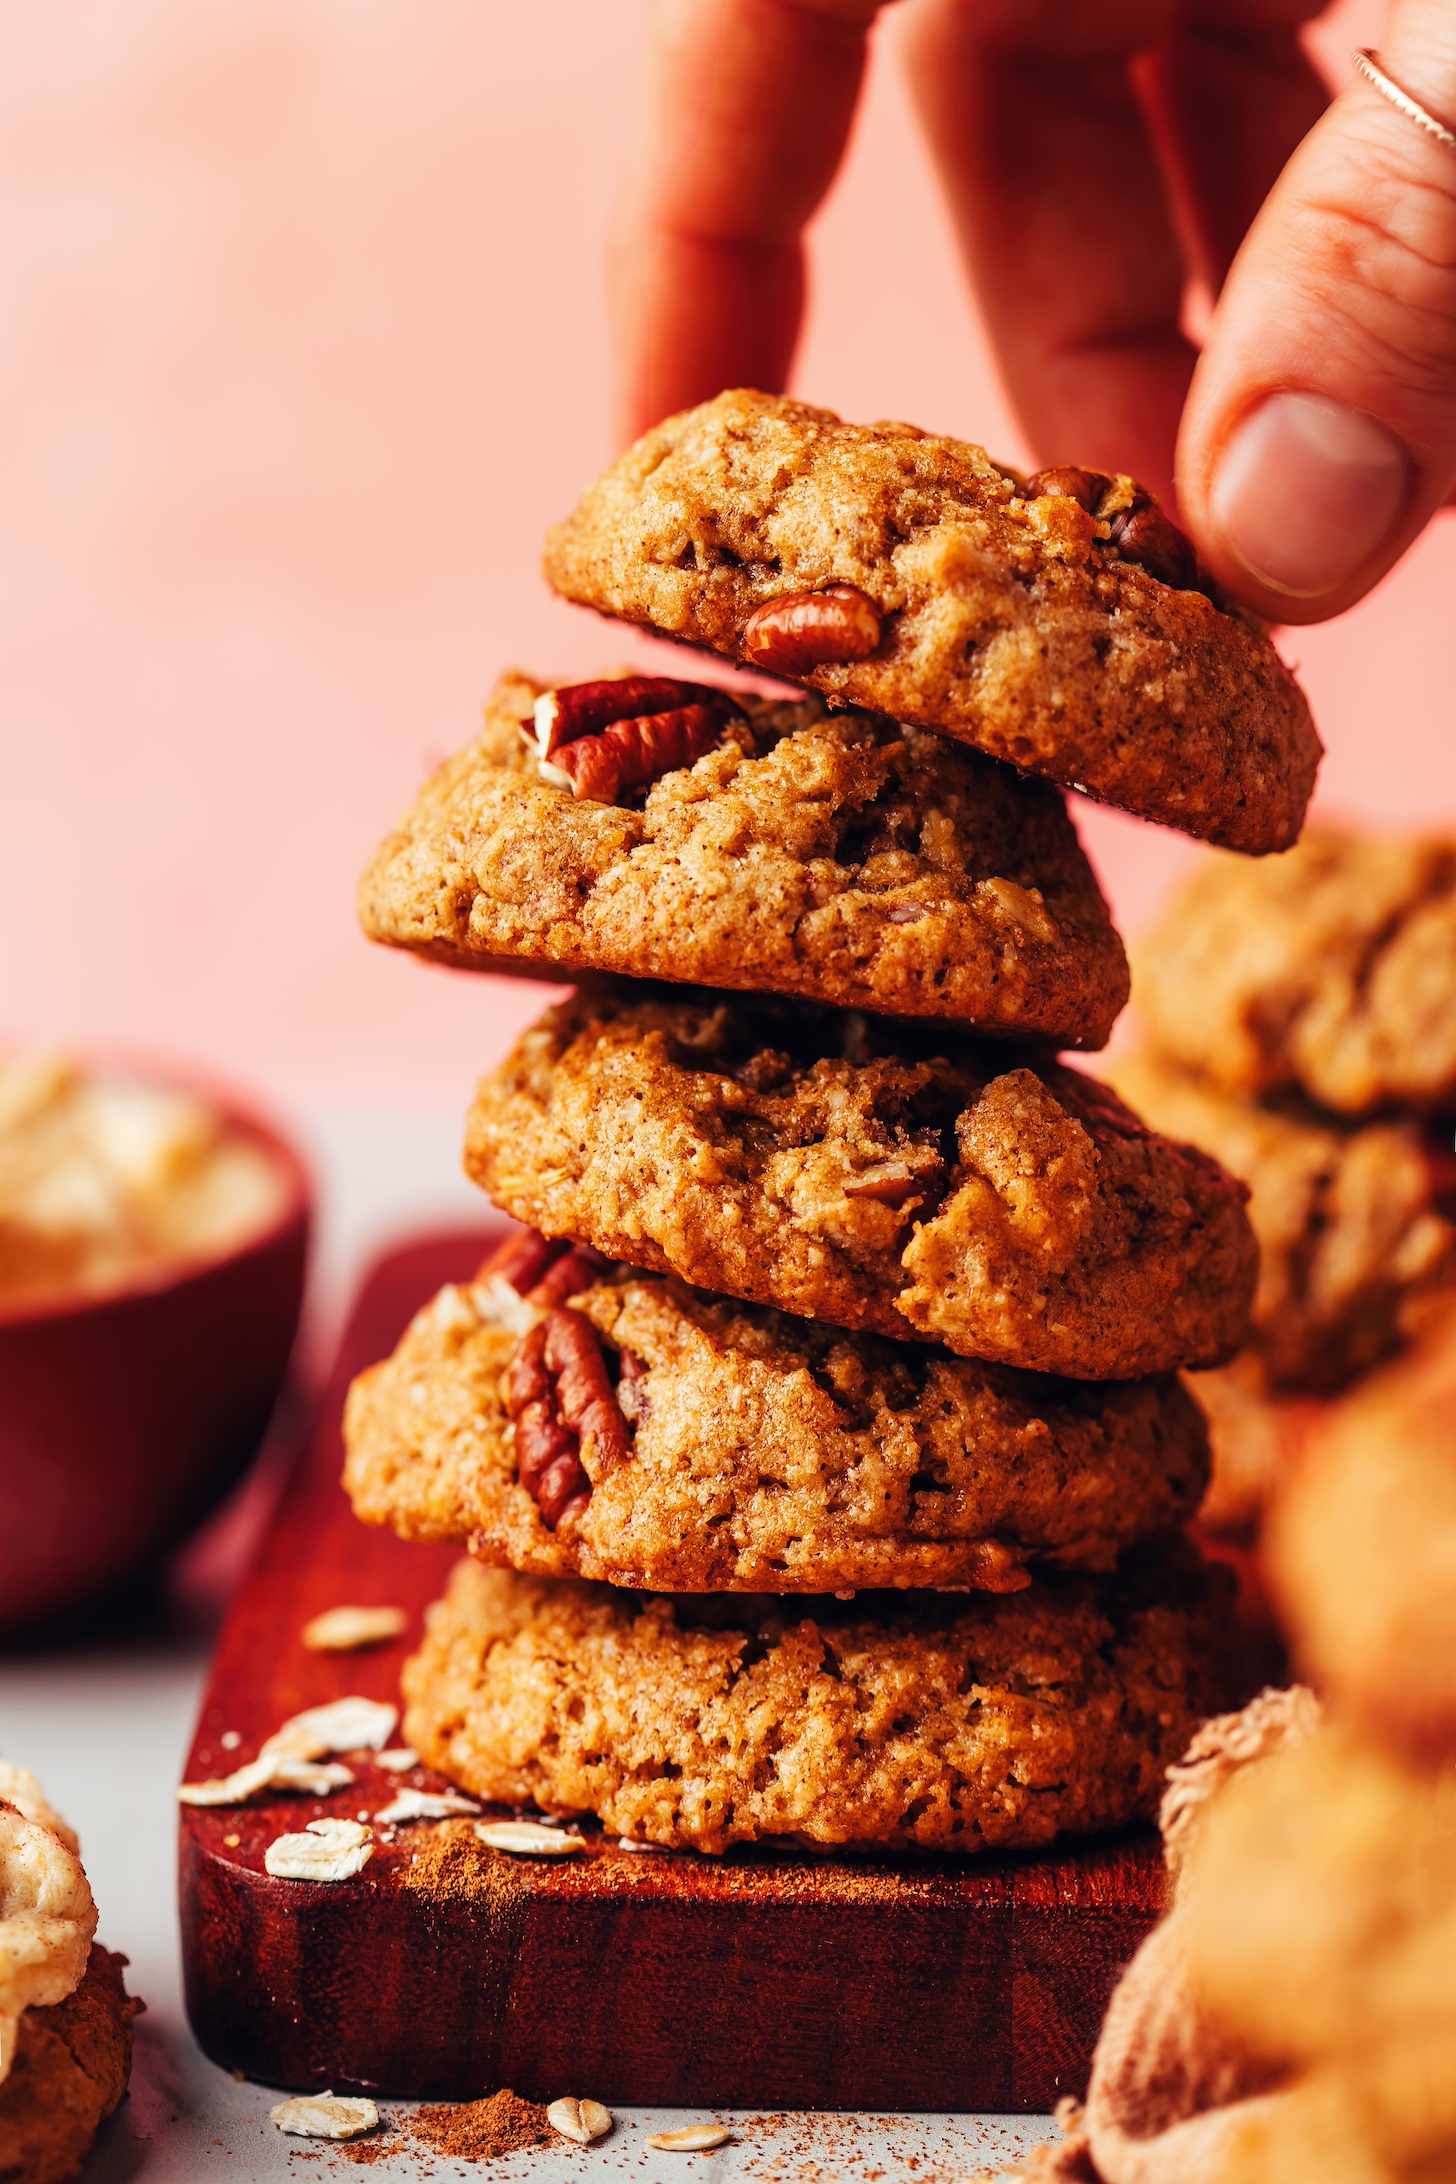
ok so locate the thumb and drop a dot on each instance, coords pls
(1320, 430)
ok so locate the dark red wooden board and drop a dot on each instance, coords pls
(758, 1980)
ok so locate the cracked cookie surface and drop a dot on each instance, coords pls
(1353, 1221)
(881, 1177)
(906, 1719)
(1330, 971)
(1008, 622)
(770, 1454)
(838, 856)
(72, 2062)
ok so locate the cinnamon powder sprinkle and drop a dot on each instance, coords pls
(480, 2130)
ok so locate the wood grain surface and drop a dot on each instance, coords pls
(445, 1969)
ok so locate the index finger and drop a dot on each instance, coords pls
(748, 108)
(1076, 212)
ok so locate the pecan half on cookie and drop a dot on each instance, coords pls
(770, 1454)
(1031, 1218)
(1057, 622)
(835, 856)
(610, 740)
(561, 1416)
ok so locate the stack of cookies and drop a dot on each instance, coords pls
(818, 1438)
(1298, 1022)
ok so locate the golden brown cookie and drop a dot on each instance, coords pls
(1330, 971)
(767, 1454)
(1256, 1440)
(914, 1719)
(1353, 1221)
(72, 2062)
(876, 1176)
(1057, 624)
(1360, 1550)
(837, 856)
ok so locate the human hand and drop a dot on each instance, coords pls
(1094, 154)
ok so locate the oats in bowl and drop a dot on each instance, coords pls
(105, 1179)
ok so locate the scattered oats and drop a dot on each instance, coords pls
(332, 1850)
(398, 1759)
(228, 1789)
(326, 2116)
(630, 1842)
(230, 1740)
(581, 2121)
(345, 1725)
(269, 1771)
(696, 2139)
(232, 1842)
(528, 1838)
(315, 1776)
(424, 1805)
(348, 1630)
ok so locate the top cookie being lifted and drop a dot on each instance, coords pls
(1059, 623)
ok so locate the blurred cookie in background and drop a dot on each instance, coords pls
(1328, 971)
(1298, 1024)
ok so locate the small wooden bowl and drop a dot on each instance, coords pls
(126, 1417)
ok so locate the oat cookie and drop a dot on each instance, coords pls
(1256, 1440)
(837, 856)
(1330, 971)
(1354, 1221)
(72, 2062)
(875, 1176)
(769, 1454)
(944, 590)
(917, 1719)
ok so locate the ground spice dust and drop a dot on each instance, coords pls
(479, 2130)
(463, 2131)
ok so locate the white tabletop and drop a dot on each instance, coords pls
(104, 1718)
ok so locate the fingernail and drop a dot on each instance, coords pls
(1307, 492)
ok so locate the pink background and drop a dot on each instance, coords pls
(303, 346)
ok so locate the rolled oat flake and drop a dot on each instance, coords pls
(697, 2138)
(326, 2116)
